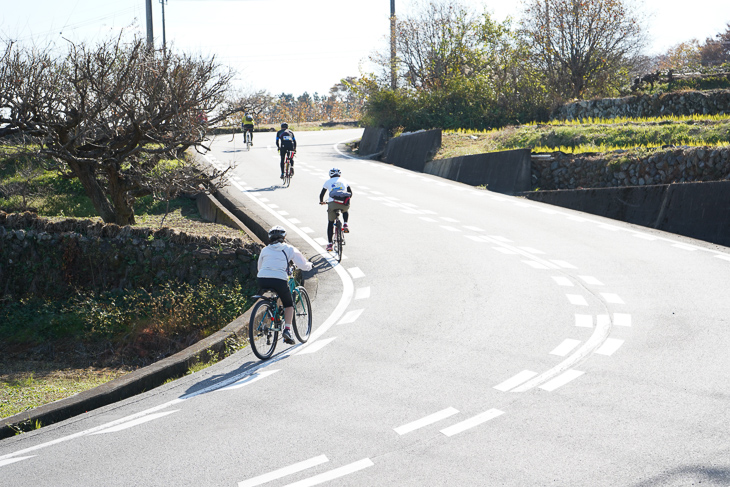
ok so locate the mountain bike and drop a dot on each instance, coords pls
(288, 170)
(267, 318)
(247, 139)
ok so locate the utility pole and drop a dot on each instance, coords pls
(150, 38)
(164, 40)
(393, 83)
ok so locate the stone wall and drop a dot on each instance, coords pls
(712, 102)
(624, 168)
(47, 258)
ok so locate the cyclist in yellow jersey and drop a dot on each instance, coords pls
(247, 123)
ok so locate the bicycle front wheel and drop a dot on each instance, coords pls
(302, 314)
(261, 333)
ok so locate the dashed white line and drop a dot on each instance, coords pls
(283, 472)
(561, 380)
(362, 293)
(609, 346)
(307, 230)
(563, 264)
(135, 422)
(532, 250)
(472, 422)
(566, 347)
(515, 381)
(334, 474)
(690, 248)
(577, 299)
(563, 281)
(504, 250)
(612, 298)
(584, 321)
(316, 346)
(450, 229)
(590, 280)
(535, 265)
(355, 272)
(621, 319)
(474, 229)
(248, 380)
(428, 420)
(350, 317)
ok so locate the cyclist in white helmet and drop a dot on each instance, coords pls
(273, 265)
(338, 199)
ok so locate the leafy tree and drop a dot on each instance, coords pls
(584, 47)
(685, 56)
(716, 51)
(110, 113)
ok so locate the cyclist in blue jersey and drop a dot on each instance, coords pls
(285, 140)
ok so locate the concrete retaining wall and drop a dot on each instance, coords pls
(696, 210)
(411, 151)
(373, 141)
(505, 172)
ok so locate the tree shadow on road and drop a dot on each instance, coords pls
(690, 475)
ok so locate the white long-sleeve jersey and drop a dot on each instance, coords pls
(274, 260)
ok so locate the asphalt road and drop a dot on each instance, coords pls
(467, 338)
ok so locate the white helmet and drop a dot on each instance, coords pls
(277, 233)
(335, 172)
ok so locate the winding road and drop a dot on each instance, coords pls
(466, 338)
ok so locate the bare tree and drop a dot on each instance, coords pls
(716, 51)
(110, 113)
(584, 47)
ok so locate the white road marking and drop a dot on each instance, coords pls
(274, 206)
(428, 420)
(449, 219)
(283, 213)
(563, 281)
(475, 238)
(566, 347)
(723, 257)
(561, 380)
(321, 241)
(606, 226)
(504, 250)
(474, 229)
(283, 472)
(350, 317)
(135, 422)
(295, 221)
(316, 346)
(427, 219)
(612, 298)
(362, 293)
(355, 272)
(248, 380)
(515, 381)
(609, 346)
(592, 281)
(500, 239)
(584, 321)
(645, 236)
(428, 212)
(472, 422)
(563, 264)
(535, 265)
(690, 248)
(450, 229)
(621, 319)
(577, 299)
(334, 474)
(532, 250)
(577, 219)
(13, 460)
(307, 230)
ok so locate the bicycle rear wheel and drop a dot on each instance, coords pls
(302, 314)
(261, 333)
(338, 240)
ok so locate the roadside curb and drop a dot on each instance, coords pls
(148, 377)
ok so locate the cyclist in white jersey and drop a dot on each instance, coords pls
(273, 265)
(339, 194)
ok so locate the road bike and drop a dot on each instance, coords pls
(267, 318)
(247, 139)
(338, 237)
(288, 169)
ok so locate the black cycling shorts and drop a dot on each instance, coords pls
(280, 286)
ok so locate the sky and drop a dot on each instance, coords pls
(294, 46)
